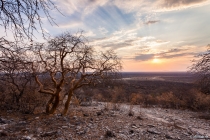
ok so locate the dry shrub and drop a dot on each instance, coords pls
(75, 101)
(131, 112)
(136, 98)
(32, 101)
(82, 100)
(97, 95)
(117, 94)
(143, 99)
(27, 100)
(169, 100)
(201, 102)
(192, 99)
(112, 106)
(149, 100)
(28, 103)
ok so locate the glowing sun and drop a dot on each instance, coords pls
(156, 60)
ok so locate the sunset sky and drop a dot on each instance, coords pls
(149, 35)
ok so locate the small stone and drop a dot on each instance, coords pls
(131, 113)
(65, 119)
(139, 118)
(134, 126)
(65, 127)
(98, 113)
(168, 136)
(78, 127)
(26, 138)
(112, 112)
(120, 131)
(150, 125)
(58, 115)
(85, 114)
(71, 125)
(123, 136)
(78, 123)
(113, 115)
(39, 130)
(2, 121)
(22, 123)
(82, 132)
(200, 137)
(131, 131)
(109, 134)
(36, 118)
(3, 126)
(49, 133)
(3, 134)
(153, 131)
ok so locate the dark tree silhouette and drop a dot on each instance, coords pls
(21, 16)
(70, 63)
(201, 67)
(15, 74)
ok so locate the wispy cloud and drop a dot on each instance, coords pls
(71, 24)
(103, 30)
(144, 57)
(177, 4)
(89, 34)
(82, 6)
(86, 7)
(128, 39)
(176, 52)
(166, 54)
(146, 6)
(151, 22)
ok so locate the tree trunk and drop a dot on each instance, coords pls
(56, 97)
(55, 105)
(65, 110)
(49, 103)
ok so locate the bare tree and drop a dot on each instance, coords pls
(69, 62)
(202, 68)
(15, 74)
(21, 16)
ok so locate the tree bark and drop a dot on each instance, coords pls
(56, 99)
(55, 105)
(49, 103)
(66, 107)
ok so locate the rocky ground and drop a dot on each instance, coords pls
(107, 121)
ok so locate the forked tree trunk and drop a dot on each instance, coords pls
(66, 107)
(55, 105)
(49, 103)
(55, 101)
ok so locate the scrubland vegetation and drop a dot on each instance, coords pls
(119, 109)
(153, 93)
(147, 93)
